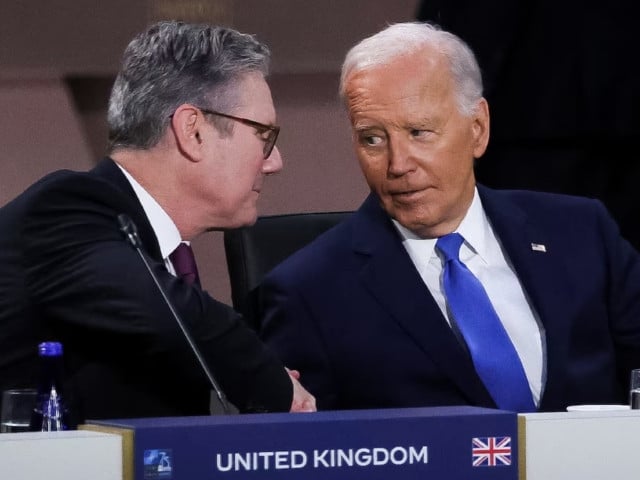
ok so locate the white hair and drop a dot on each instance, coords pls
(402, 38)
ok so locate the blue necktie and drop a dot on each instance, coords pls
(493, 354)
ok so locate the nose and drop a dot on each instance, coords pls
(400, 159)
(273, 163)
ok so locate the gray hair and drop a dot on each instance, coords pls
(402, 38)
(174, 63)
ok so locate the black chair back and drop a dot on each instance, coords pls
(253, 251)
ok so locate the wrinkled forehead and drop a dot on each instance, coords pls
(409, 77)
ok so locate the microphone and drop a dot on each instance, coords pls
(130, 231)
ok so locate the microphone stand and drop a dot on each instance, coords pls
(130, 231)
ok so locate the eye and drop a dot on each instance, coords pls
(419, 133)
(263, 133)
(370, 139)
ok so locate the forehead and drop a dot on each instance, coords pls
(409, 82)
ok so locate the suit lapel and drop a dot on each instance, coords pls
(536, 257)
(531, 250)
(393, 280)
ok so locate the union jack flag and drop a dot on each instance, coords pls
(491, 451)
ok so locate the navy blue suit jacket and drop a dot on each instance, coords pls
(351, 312)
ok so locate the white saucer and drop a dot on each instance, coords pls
(596, 408)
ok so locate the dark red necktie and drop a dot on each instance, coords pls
(184, 264)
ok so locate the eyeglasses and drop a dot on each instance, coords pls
(272, 131)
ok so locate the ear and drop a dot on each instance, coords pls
(186, 123)
(480, 128)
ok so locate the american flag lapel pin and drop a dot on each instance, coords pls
(538, 247)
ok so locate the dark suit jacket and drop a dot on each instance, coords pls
(351, 312)
(68, 274)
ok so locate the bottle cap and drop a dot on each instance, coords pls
(50, 349)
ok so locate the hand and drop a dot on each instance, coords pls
(303, 401)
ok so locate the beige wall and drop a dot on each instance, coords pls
(57, 61)
(39, 132)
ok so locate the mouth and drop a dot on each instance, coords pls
(406, 195)
(257, 186)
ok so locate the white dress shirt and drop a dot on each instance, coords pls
(482, 253)
(165, 230)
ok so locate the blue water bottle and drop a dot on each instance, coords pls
(50, 413)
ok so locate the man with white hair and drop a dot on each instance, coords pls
(437, 290)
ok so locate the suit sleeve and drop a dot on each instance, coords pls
(288, 325)
(90, 287)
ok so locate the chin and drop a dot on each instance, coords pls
(237, 219)
(246, 219)
(415, 221)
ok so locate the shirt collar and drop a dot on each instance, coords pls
(165, 230)
(475, 229)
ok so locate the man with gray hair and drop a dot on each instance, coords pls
(192, 135)
(437, 290)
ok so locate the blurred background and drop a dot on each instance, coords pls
(58, 60)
